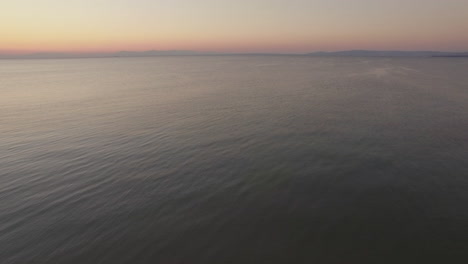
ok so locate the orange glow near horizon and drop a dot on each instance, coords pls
(86, 26)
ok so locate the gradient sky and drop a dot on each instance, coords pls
(232, 25)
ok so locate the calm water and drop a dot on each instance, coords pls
(234, 159)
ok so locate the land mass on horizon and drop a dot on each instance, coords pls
(152, 53)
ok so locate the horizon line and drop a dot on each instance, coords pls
(175, 52)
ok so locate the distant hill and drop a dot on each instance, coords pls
(376, 53)
(151, 53)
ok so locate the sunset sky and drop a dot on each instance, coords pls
(232, 26)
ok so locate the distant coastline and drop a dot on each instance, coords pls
(452, 56)
(154, 53)
(372, 53)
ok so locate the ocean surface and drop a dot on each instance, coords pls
(234, 159)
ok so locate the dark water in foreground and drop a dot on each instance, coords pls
(234, 160)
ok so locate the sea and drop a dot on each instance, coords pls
(234, 159)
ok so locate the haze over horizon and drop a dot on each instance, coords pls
(273, 26)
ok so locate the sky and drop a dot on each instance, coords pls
(286, 26)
